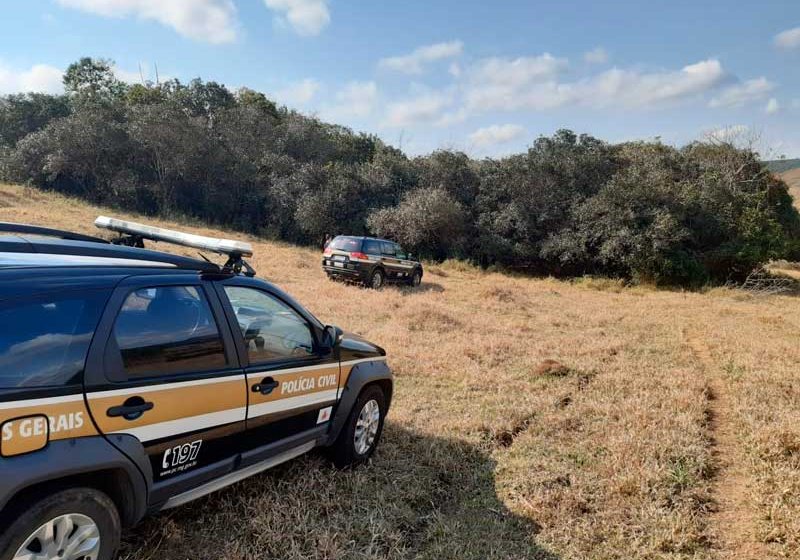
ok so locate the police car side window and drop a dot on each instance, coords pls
(168, 330)
(388, 248)
(271, 329)
(372, 247)
(44, 341)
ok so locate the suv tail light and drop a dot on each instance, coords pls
(358, 255)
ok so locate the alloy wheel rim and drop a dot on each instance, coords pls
(377, 280)
(417, 279)
(369, 420)
(72, 536)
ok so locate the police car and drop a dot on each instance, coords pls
(370, 261)
(133, 381)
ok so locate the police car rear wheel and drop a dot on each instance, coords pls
(74, 524)
(377, 279)
(361, 434)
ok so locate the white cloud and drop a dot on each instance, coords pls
(630, 88)
(772, 106)
(496, 134)
(452, 117)
(424, 108)
(414, 62)
(789, 39)
(745, 92)
(39, 78)
(298, 93)
(355, 99)
(307, 17)
(597, 55)
(532, 83)
(500, 83)
(212, 21)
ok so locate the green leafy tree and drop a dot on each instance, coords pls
(91, 80)
(23, 113)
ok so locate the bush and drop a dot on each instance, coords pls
(428, 221)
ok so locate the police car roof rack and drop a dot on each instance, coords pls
(8, 227)
(132, 234)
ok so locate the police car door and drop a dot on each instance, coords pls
(293, 383)
(168, 375)
(390, 261)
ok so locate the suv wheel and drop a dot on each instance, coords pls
(416, 278)
(377, 279)
(361, 434)
(74, 524)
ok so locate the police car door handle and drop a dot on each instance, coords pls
(266, 386)
(131, 409)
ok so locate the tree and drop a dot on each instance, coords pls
(92, 80)
(256, 100)
(570, 205)
(203, 99)
(23, 113)
(428, 220)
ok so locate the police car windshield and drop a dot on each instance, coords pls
(349, 244)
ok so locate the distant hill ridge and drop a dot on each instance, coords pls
(782, 165)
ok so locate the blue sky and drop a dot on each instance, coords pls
(484, 77)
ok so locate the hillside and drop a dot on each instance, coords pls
(792, 178)
(668, 428)
(782, 165)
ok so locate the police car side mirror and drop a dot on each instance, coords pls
(332, 336)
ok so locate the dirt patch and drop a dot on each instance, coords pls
(552, 368)
(732, 523)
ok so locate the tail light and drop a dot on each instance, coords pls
(357, 255)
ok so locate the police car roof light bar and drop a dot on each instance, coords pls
(134, 234)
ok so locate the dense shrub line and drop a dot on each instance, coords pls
(571, 205)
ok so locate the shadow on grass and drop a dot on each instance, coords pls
(421, 289)
(420, 497)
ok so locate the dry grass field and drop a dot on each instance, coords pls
(533, 418)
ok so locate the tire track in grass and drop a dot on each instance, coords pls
(732, 521)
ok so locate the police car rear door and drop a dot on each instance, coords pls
(292, 380)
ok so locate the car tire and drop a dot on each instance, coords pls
(416, 279)
(377, 279)
(368, 412)
(88, 514)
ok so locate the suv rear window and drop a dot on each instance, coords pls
(44, 341)
(348, 244)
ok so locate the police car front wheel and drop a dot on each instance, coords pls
(361, 434)
(74, 524)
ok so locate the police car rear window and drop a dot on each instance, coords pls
(346, 244)
(44, 341)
